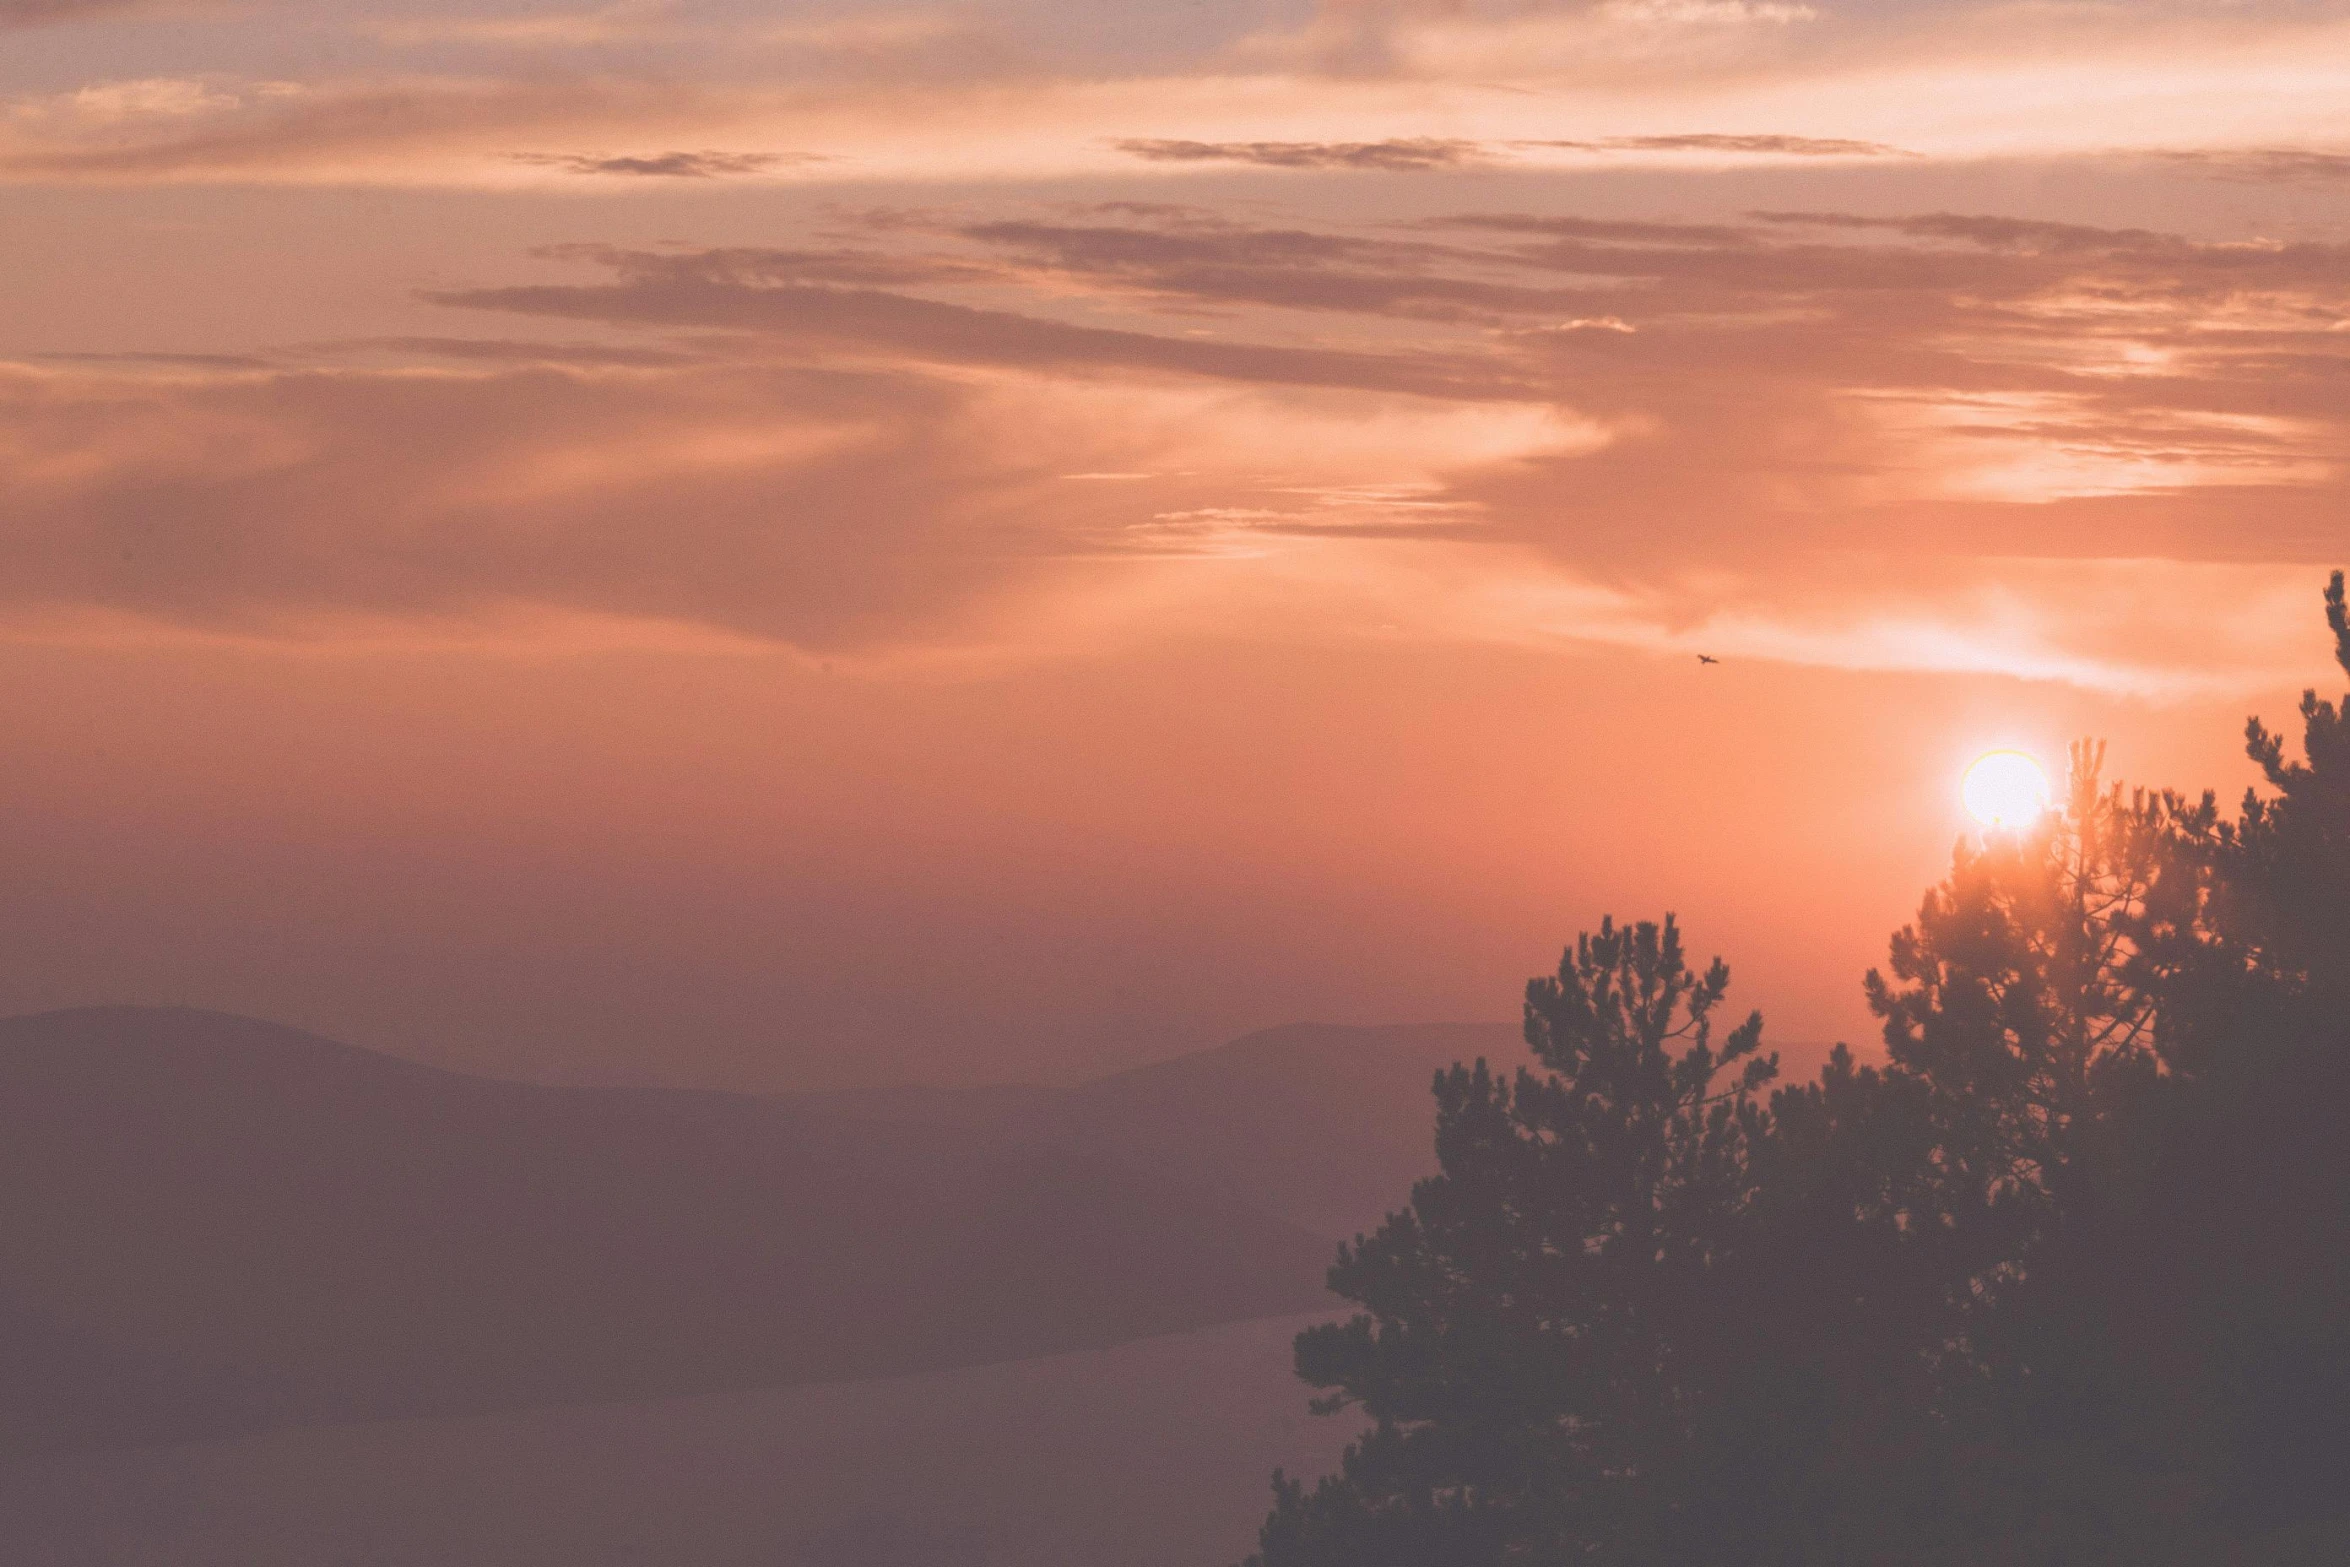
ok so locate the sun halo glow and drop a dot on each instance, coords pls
(2005, 790)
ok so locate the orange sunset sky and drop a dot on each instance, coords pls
(804, 544)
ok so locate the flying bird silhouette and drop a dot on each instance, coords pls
(1707, 658)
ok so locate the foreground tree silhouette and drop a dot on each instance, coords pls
(2023, 1021)
(1527, 1318)
(2068, 1275)
(2243, 1272)
(2285, 908)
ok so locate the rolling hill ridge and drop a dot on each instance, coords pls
(211, 1224)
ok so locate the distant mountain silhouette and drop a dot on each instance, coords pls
(1323, 1125)
(210, 1224)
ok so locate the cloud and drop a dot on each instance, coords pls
(1422, 154)
(858, 266)
(1408, 155)
(1602, 230)
(503, 351)
(166, 129)
(881, 511)
(1412, 155)
(1594, 40)
(671, 165)
(731, 291)
(161, 360)
(904, 37)
(45, 13)
(1485, 88)
(1225, 264)
(626, 22)
(861, 441)
(822, 508)
(1810, 381)
(2018, 380)
(1765, 146)
(2263, 165)
(2000, 233)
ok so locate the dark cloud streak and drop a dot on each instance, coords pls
(710, 291)
(668, 165)
(1775, 146)
(2264, 165)
(1421, 154)
(1401, 155)
(1288, 269)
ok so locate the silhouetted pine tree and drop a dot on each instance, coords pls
(2024, 1017)
(1527, 1318)
(2287, 863)
(2246, 1263)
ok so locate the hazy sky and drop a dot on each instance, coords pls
(792, 544)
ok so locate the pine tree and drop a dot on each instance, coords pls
(1526, 1320)
(2287, 861)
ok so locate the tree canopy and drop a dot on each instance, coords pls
(2065, 1274)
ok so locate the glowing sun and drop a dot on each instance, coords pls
(2005, 789)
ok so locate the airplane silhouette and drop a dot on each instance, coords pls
(1707, 658)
